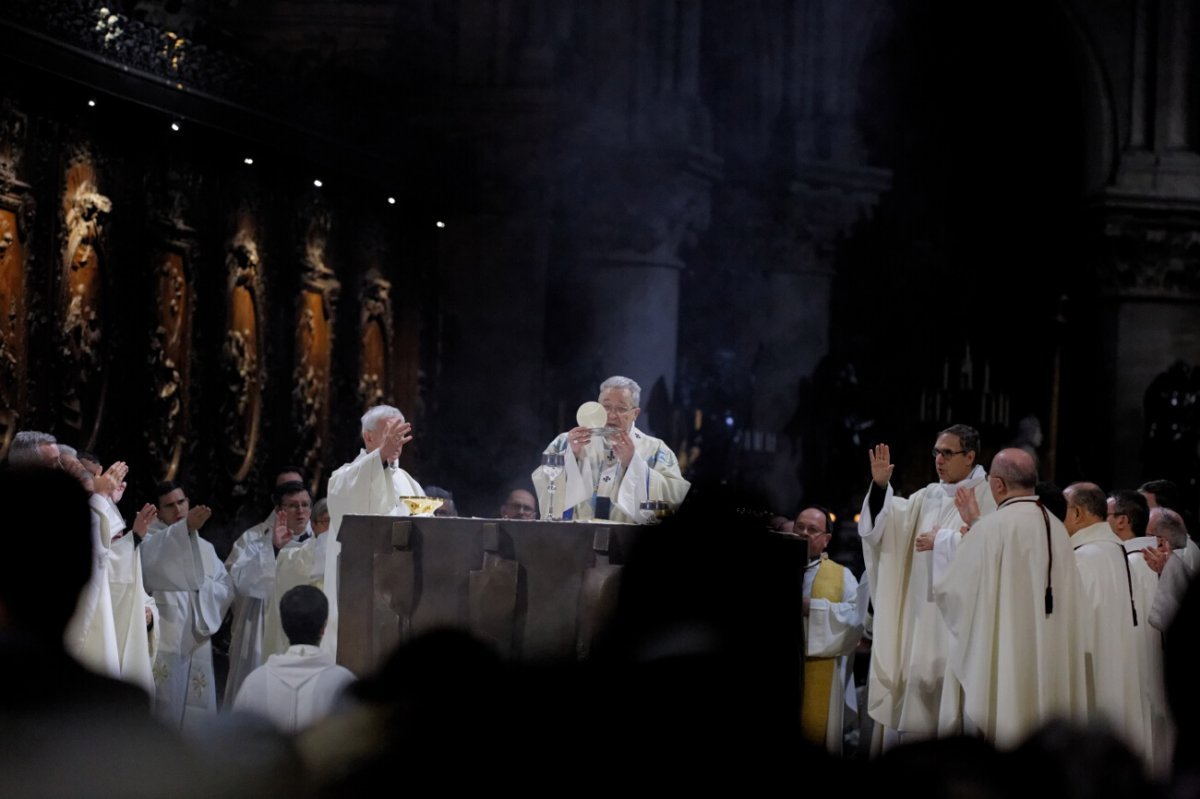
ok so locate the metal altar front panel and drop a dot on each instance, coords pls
(534, 590)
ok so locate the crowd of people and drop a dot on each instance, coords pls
(1004, 620)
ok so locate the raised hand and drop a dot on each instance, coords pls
(578, 438)
(881, 464)
(197, 516)
(280, 534)
(968, 506)
(396, 435)
(141, 522)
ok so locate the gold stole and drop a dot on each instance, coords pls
(819, 672)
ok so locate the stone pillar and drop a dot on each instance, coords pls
(624, 302)
(1146, 242)
(822, 204)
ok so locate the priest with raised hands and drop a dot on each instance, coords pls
(114, 630)
(371, 484)
(610, 467)
(910, 694)
(193, 591)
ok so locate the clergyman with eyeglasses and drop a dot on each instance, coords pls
(609, 472)
(911, 694)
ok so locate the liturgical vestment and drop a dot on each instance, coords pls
(193, 591)
(364, 486)
(1011, 599)
(908, 681)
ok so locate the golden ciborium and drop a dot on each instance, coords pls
(422, 506)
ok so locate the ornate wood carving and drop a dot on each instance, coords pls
(242, 352)
(314, 349)
(167, 427)
(16, 217)
(375, 341)
(85, 210)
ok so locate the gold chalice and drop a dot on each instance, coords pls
(422, 506)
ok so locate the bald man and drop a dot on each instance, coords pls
(1011, 600)
(1111, 619)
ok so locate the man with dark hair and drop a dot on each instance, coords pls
(519, 504)
(251, 565)
(447, 508)
(910, 693)
(299, 557)
(833, 626)
(1160, 494)
(1128, 513)
(302, 685)
(192, 591)
(1011, 600)
(1108, 608)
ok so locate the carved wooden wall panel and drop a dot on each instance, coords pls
(16, 219)
(243, 363)
(12, 319)
(81, 298)
(170, 363)
(314, 352)
(375, 342)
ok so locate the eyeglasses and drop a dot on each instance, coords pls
(948, 453)
(811, 529)
(620, 410)
(296, 506)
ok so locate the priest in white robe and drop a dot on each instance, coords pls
(608, 473)
(299, 558)
(253, 575)
(371, 484)
(833, 626)
(1146, 584)
(114, 630)
(302, 685)
(193, 592)
(1111, 618)
(1176, 562)
(1011, 599)
(911, 694)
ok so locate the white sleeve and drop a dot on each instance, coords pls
(835, 628)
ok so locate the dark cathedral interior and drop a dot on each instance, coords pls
(805, 227)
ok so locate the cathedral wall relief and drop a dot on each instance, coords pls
(16, 216)
(145, 321)
(85, 212)
(243, 365)
(314, 351)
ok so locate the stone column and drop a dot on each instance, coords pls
(823, 203)
(624, 303)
